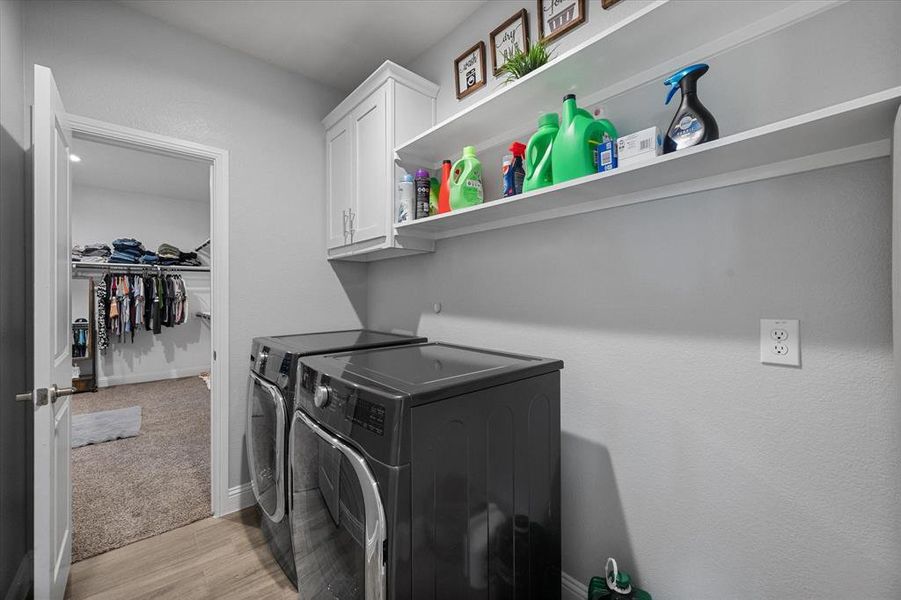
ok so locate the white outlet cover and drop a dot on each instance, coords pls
(780, 342)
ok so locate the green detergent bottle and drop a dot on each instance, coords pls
(614, 585)
(538, 153)
(573, 154)
(433, 196)
(466, 180)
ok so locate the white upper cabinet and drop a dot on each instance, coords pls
(371, 173)
(391, 106)
(339, 185)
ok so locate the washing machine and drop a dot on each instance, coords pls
(273, 367)
(428, 472)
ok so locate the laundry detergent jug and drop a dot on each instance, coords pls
(573, 153)
(615, 585)
(538, 153)
(466, 180)
(444, 190)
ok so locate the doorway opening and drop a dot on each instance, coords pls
(149, 229)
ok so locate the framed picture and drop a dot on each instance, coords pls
(557, 17)
(469, 70)
(508, 38)
(605, 4)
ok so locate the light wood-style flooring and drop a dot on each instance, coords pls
(222, 559)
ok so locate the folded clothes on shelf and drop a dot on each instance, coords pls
(189, 259)
(150, 258)
(90, 252)
(131, 251)
(123, 258)
(123, 243)
(168, 251)
(127, 250)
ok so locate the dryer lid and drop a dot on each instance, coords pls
(303, 344)
(435, 370)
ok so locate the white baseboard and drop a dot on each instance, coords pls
(20, 587)
(239, 497)
(142, 377)
(572, 588)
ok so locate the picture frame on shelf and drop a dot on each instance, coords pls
(509, 37)
(470, 71)
(559, 17)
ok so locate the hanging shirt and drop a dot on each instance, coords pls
(114, 306)
(102, 294)
(157, 309)
(138, 302)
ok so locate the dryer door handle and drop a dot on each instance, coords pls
(375, 526)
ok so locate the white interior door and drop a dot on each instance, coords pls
(52, 332)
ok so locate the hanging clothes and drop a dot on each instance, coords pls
(102, 294)
(127, 303)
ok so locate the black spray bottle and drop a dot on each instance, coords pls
(693, 123)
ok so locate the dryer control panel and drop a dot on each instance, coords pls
(366, 419)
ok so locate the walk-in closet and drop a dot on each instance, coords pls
(140, 298)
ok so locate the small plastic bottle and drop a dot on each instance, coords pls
(514, 172)
(404, 206)
(423, 185)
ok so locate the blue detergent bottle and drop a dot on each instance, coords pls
(692, 124)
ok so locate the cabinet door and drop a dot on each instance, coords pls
(339, 181)
(372, 207)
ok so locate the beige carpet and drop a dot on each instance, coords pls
(128, 490)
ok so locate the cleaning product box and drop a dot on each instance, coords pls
(606, 156)
(639, 146)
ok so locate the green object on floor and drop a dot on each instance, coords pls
(538, 153)
(615, 585)
(466, 180)
(573, 153)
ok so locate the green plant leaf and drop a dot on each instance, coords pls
(519, 64)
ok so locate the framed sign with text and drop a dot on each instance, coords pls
(557, 17)
(508, 38)
(469, 71)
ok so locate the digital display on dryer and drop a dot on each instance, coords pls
(368, 415)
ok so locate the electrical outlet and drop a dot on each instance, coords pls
(780, 342)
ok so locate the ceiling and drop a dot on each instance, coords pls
(137, 171)
(336, 42)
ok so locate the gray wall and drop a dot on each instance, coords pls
(683, 456)
(115, 64)
(15, 418)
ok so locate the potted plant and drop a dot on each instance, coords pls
(520, 63)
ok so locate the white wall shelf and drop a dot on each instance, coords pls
(616, 60)
(856, 130)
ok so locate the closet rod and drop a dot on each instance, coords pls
(78, 267)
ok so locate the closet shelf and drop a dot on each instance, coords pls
(848, 132)
(621, 58)
(120, 267)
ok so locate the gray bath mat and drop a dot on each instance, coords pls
(106, 425)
